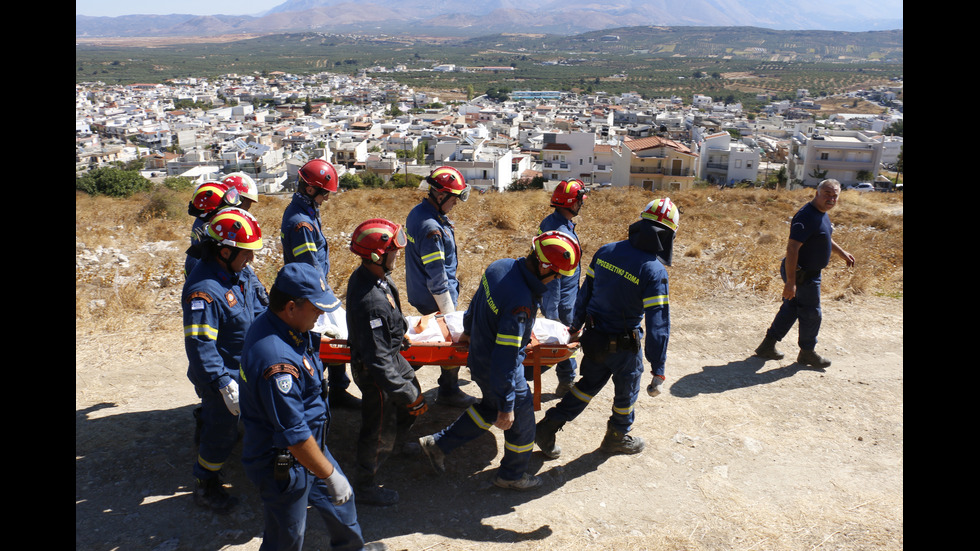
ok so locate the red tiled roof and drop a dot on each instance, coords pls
(653, 142)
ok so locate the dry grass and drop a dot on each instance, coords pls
(728, 241)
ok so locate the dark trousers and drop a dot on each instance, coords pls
(624, 367)
(219, 433)
(804, 307)
(383, 425)
(286, 502)
(518, 439)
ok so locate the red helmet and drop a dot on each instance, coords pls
(448, 179)
(558, 251)
(568, 193)
(319, 174)
(375, 237)
(662, 212)
(212, 195)
(244, 184)
(237, 228)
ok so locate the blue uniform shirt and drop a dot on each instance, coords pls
(218, 308)
(430, 258)
(812, 228)
(558, 302)
(303, 241)
(281, 385)
(499, 321)
(622, 285)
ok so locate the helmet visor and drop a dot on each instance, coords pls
(463, 194)
(400, 241)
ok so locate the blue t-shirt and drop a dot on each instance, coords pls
(812, 228)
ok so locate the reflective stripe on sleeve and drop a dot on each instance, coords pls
(205, 331)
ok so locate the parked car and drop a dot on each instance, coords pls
(863, 187)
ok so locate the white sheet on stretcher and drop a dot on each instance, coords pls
(545, 330)
(334, 325)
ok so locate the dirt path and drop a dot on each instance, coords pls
(740, 454)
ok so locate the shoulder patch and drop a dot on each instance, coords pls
(434, 234)
(303, 225)
(280, 368)
(284, 383)
(199, 295)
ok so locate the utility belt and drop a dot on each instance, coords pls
(598, 344)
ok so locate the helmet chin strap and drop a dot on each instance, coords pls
(439, 203)
(231, 258)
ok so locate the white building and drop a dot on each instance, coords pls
(725, 162)
(569, 155)
(841, 155)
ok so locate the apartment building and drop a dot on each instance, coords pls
(839, 154)
(568, 155)
(724, 162)
(654, 163)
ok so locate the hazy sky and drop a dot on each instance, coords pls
(113, 8)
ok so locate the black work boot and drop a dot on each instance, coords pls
(372, 494)
(210, 494)
(340, 398)
(544, 437)
(810, 358)
(454, 397)
(768, 350)
(617, 441)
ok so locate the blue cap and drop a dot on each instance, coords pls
(299, 280)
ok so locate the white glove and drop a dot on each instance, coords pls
(653, 389)
(340, 490)
(230, 394)
(445, 303)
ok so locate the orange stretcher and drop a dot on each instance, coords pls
(336, 351)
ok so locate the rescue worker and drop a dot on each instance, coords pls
(431, 262)
(219, 302)
(808, 249)
(246, 187)
(303, 241)
(497, 325)
(558, 301)
(391, 396)
(286, 418)
(625, 282)
(208, 199)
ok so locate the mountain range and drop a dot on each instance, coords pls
(464, 17)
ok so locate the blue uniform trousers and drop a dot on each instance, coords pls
(805, 307)
(624, 368)
(285, 510)
(518, 439)
(219, 433)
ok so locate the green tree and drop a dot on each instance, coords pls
(372, 180)
(350, 180)
(400, 180)
(113, 182)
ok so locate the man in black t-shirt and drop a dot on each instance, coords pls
(807, 252)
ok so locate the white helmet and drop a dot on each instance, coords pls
(245, 184)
